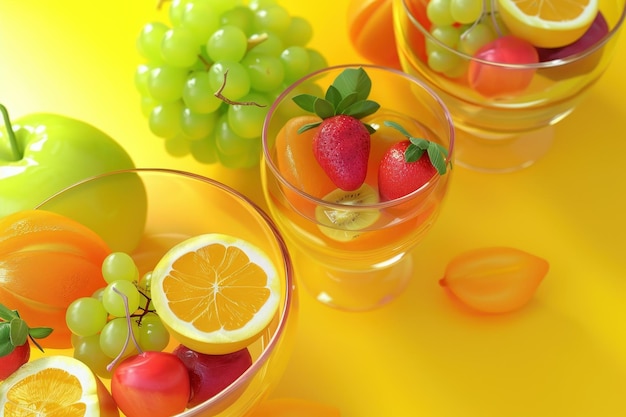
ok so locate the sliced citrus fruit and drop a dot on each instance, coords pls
(55, 386)
(346, 225)
(548, 23)
(215, 293)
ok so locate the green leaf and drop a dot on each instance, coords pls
(308, 126)
(7, 314)
(19, 332)
(423, 144)
(333, 96)
(353, 80)
(324, 109)
(346, 102)
(398, 127)
(40, 332)
(362, 108)
(369, 128)
(437, 158)
(6, 346)
(413, 153)
(305, 101)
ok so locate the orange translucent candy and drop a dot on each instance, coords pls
(494, 279)
(48, 261)
(291, 407)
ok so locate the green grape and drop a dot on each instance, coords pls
(201, 19)
(228, 43)
(147, 104)
(166, 83)
(153, 335)
(228, 142)
(149, 41)
(142, 77)
(164, 120)
(439, 13)
(299, 32)
(316, 60)
(237, 83)
(85, 316)
(296, 61)
(179, 47)
(246, 121)
(260, 4)
(271, 18)
(271, 44)
(448, 35)
(474, 37)
(113, 337)
(466, 11)
(176, 10)
(204, 150)
(178, 146)
(198, 95)
(443, 60)
(196, 126)
(266, 72)
(119, 266)
(246, 159)
(97, 294)
(220, 6)
(239, 16)
(87, 350)
(114, 302)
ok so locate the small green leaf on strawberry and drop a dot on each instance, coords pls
(436, 153)
(342, 144)
(14, 331)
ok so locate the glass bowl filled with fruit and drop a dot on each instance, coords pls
(357, 161)
(198, 272)
(507, 70)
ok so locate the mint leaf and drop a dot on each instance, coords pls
(333, 96)
(39, 332)
(6, 346)
(362, 108)
(308, 126)
(354, 80)
(346, 102)
(413, 153)
(437, 159)
(398, 127)
(324, 109)
(7, 314)
(437, 154)
(19, 332)
(305, 101)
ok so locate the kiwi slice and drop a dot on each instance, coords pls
(346, 225)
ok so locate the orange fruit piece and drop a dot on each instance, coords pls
(293, 407)
(48, 261)
(548, 23)
(215, 293)
(55, 386)
(494, 279)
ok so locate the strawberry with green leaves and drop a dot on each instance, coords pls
(342, 143)
(407, 165)
(14, 346)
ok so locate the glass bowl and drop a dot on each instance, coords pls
(504, 113)
(146, 211)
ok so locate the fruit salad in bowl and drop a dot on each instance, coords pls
(192, 316)
(508, 70)
(357, 161)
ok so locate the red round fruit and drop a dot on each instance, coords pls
(11, 362)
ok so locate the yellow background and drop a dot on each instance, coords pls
(563, 355)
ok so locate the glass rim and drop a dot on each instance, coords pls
(338, 206)
(274, 340)
(555, 63)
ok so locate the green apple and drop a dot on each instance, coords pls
(42, 154)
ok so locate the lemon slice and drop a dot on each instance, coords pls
(215, 293)
(548, 23)
(55, 385)
(346, 225)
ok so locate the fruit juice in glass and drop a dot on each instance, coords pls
(145, 212)
(503, 112)
(362, 260)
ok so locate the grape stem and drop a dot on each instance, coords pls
(219, 95)
(130, 334)
(160, 4)
(15, 152)
(254, 40)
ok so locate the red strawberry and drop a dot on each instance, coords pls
(408, 165)
(14, 336)
(342, 147)
(342, 144)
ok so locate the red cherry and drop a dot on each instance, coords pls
(498, 81)
(11, 362)
(154, 384)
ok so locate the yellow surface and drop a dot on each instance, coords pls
(564, 355)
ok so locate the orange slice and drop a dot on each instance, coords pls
(215, 293)
(548, 23)
(55, 386)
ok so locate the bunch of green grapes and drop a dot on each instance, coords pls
(99, 323)
(462, 25)
(210, 76)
